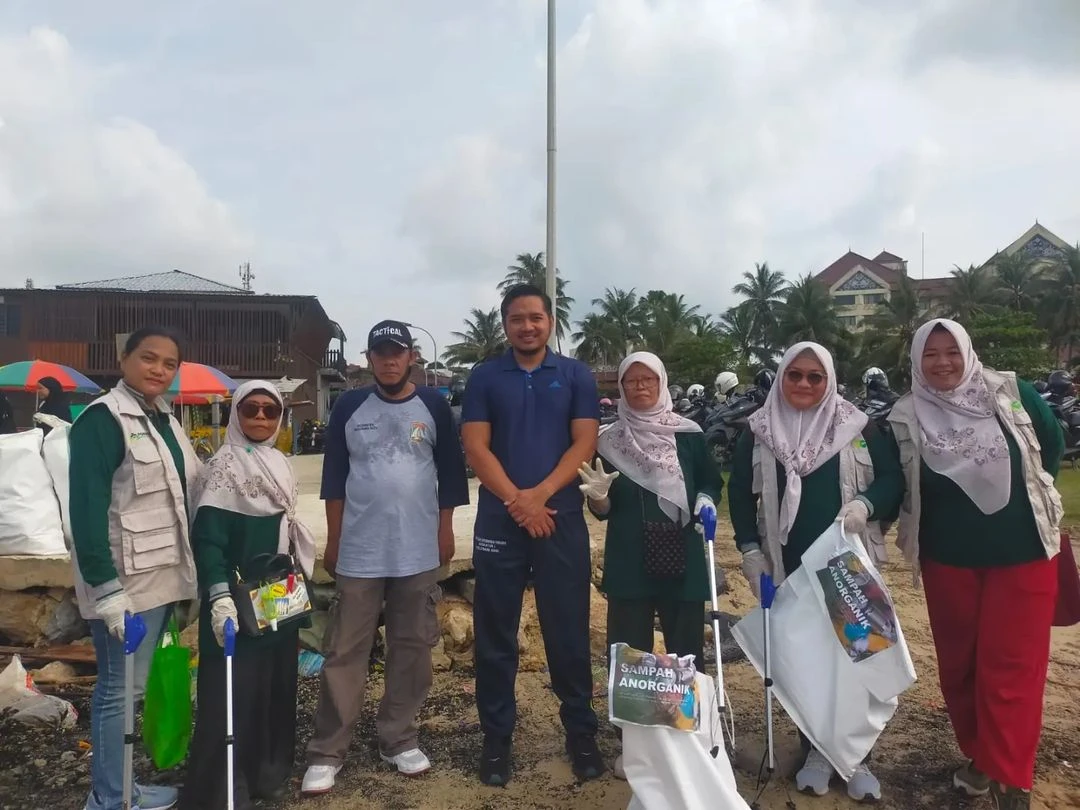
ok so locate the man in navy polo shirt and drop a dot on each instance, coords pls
(530, 419)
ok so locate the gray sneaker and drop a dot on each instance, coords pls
(863, 786)
(815, 774)
(971, 780)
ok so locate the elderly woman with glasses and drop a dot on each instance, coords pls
(810, 458)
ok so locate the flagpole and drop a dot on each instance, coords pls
(549, 251)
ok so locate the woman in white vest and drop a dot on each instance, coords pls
(980, 520)
(131, 469)
(810, 458)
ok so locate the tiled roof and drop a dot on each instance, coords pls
(933, 286)
(885, 256)
(171, 282)
(846, 263)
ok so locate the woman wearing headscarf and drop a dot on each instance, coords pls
(809, 458)
(653, 477)
(132, 470)
(980, 521)
(245, 515)
(7, 415)
(55, 402)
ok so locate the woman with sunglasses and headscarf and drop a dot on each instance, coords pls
(245, 516)
(653, 477)
(980, 522)
(810, 458)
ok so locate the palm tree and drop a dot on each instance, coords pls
(971, 292)
(1060, 308)
(665, 317)
(623, 309)
(1016, 280)
(763, 290)
(807, 314)
(482, 339)
(737, 325)
(704, 326)
(891, 331)
(530, 269)
(599, 342)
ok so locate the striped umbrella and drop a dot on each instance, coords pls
(195, 378)
(25, 375)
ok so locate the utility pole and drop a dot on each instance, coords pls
(549, 252)
(246, 275)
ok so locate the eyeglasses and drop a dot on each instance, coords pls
(250, 410)
(641, 382)
(815, 378)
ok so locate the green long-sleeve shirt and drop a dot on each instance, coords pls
(954, 531)
(225, 542)
(96, 448)
(821, 496)
(624, 551)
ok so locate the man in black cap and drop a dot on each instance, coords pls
(392, 474)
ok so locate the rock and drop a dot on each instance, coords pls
(455, 619)
(189, 636)
(19, 573)
(730, 651)
(440, 661)
(40, 763)
(67, 756)
(311, 638)
(56, 672)
(467, 589)
(597, 556)
(40, 616)
(721, 580)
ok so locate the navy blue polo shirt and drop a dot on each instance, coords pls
(530, 415)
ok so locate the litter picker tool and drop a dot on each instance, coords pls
(230, 651)
(134, 633)
(768, 593)
(727, 720)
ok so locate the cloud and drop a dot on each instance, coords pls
(78, 191)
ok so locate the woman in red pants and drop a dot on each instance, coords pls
(980, 519)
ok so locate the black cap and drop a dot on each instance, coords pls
(389, 332)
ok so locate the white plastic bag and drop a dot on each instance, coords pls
(57, 461)
(29, 512)
(674, 770)
(28, 705)
(839, 659)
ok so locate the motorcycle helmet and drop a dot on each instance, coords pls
(875, 379)
(1041, 386)
(765, 378)
(725, 382)
(605, 402)
(696, 391)
(684, 405)
(1060, 383)
(676, 392)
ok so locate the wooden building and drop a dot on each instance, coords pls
(235, 330)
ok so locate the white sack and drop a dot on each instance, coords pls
(840, 704)
(674, 770)
(29, 512)
(57, 460)
(27, 705)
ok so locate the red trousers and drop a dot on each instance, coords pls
(991, 630)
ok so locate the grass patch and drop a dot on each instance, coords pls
(1068, 484)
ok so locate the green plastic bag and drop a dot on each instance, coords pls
(167, 706)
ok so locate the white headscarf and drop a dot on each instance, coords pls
(256, 479)
(804, 440)
(961, 436)
(641, 444)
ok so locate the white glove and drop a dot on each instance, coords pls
(112, 609)
(703, 502)
(754, 564)
(221, 610)
(854, 515)
(597, 483)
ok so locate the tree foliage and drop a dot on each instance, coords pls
(1011, 341)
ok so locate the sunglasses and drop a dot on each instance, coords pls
(250, 410)
(815, 378)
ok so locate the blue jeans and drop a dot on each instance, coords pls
(107, 706)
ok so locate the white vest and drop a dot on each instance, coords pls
(1043, 495)
(856, 475)
(148, 522)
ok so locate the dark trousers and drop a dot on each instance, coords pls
(631, 621)
(264, 726)
(504, 556)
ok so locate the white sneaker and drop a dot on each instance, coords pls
(411, 763)
(863, 786)
(617, 769)
(319, 779)
(815, 774)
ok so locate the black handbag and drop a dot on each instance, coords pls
(274, 594)
(664, 547)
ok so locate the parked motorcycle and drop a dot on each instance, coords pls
(312, 438)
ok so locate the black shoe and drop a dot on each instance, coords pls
(495, 761)
(585, 759)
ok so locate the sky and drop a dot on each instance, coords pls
(388, 156)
